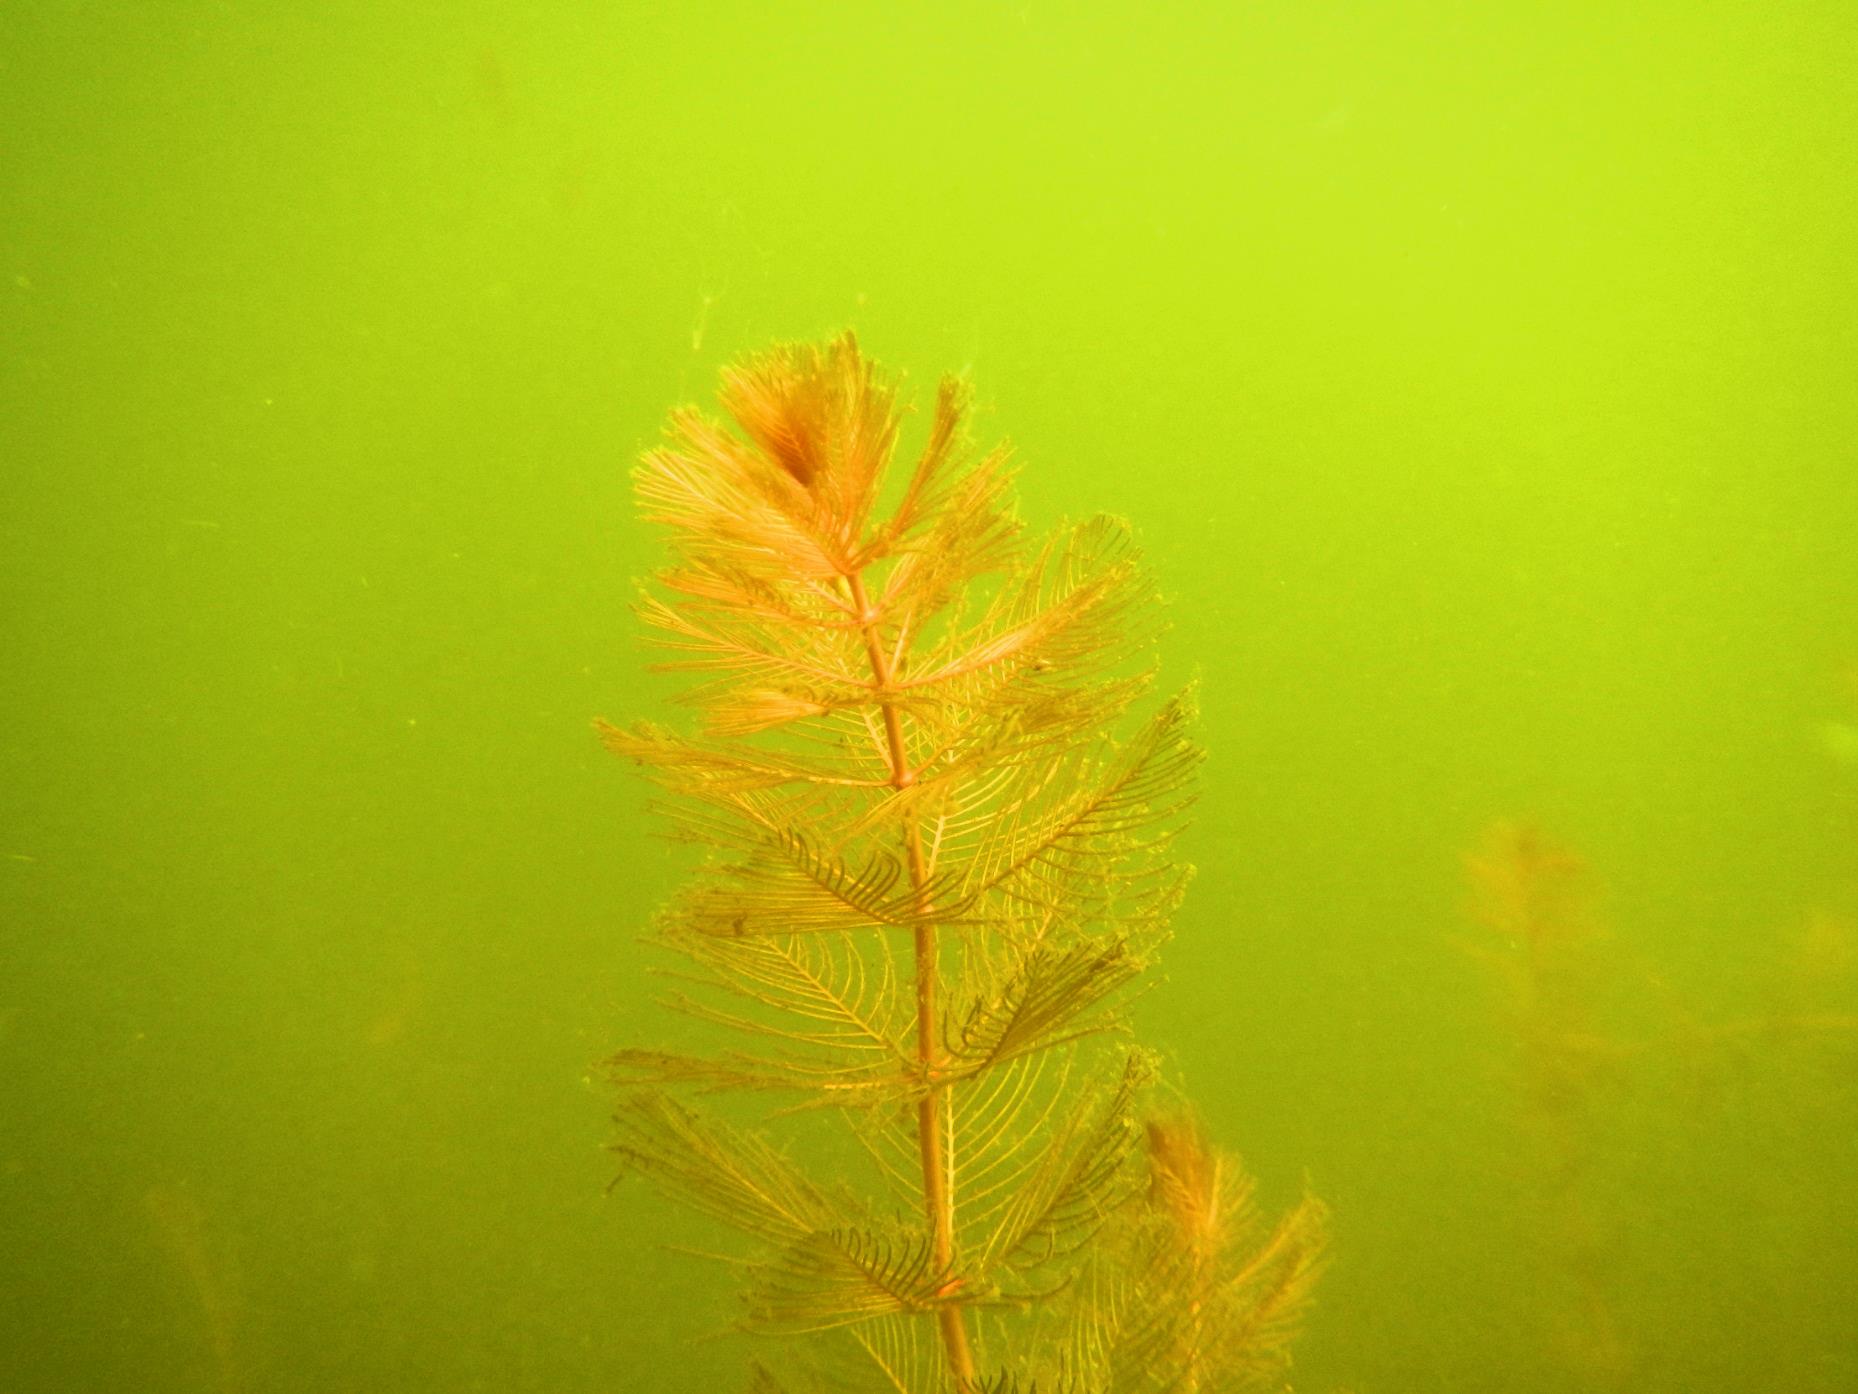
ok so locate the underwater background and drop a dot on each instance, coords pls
(1480, 381)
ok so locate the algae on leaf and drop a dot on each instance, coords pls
(941, 852)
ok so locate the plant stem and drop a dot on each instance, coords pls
(932, 1107)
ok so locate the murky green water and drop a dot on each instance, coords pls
(1478, 379)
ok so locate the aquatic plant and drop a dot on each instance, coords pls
(1587, 1022)
(1543, 944)
(941, 854)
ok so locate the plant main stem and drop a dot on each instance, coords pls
(931, 1109)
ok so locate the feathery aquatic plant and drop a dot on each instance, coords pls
(941, 854)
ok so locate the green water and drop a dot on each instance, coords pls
(1479, 380)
